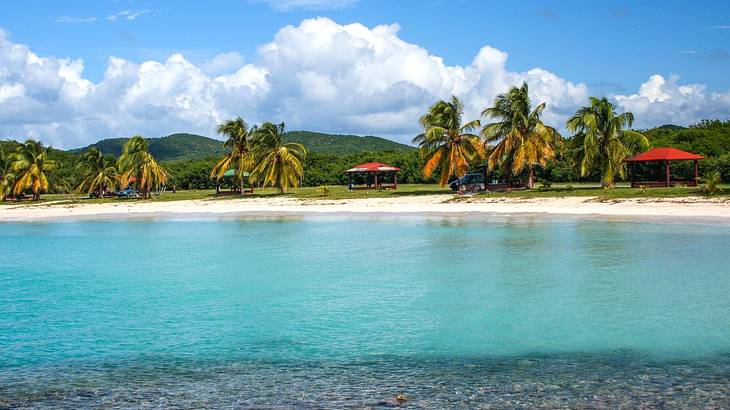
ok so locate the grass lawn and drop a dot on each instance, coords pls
(335, 192)
(621, 191)
(341, 192)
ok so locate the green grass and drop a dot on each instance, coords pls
(336, 192)
(340, 192)
(621, 191)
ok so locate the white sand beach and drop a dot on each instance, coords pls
(685, 209)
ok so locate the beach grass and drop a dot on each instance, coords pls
(621, 191)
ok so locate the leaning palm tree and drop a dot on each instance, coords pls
(98, 172)
(522, 139)
(137, 161)
(30, 164)
(277, 164)
(606, 139)
(446, 143)
(7, 178)
(239, 157)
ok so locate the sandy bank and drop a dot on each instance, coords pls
(681, 208)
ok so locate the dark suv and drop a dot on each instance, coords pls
(467, 180)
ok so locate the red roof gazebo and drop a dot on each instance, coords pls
(373, 172)
(665, 156)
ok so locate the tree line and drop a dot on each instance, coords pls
(257, 152)
(515, 139)
(510, 139)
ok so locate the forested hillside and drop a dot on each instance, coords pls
(191, 146)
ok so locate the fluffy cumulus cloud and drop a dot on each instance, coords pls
(664, 100)
(319, 75)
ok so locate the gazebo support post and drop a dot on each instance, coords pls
(669, 178)
(349, 182)
(697, 171)
(395, 180)
(376, 180)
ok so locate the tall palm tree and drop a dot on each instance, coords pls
(523, 140)
(98, 172)
(7, 178)
(278, 164)
(239, 157)
(446, 142)
(137, 161)
(606, 139)
(30, 164)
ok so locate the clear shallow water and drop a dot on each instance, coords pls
(327, 312)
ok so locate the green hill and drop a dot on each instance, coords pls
(709, 138)
(172, 147)
(343, 144)
(191, 146)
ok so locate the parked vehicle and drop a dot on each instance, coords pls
(467, 181)
(105, 193)
(128, 193)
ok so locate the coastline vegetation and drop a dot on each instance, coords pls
(510, 139)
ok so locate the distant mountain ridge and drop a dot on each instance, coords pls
(182, 146)
(343, 144)
(172, 147)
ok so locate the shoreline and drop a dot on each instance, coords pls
(683, 210)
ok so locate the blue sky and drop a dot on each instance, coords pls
(613, 44)
(610, 48)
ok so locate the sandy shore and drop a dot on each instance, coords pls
(677, 208)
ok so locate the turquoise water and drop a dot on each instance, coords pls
(351, 311)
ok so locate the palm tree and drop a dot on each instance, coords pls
(30, 164)
(7, 178)
(136, 161)
(446, 142)
(606, 141)
(240, 157)
(98, 172)
(523, 139)
(278, 164)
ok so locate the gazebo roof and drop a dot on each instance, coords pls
(373, 167)
(232, 172)
(664, 154)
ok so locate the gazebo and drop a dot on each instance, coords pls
(230, 176)
(374, 173)
(664, 156)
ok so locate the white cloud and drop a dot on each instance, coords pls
(127, 15)
(664, 100)
(72, 19)
(319, 75)
(223, 62)
(289, 5)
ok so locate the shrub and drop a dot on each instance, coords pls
(711, 184)
(324, 191)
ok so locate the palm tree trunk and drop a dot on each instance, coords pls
(241, 185)
(531, 178)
